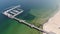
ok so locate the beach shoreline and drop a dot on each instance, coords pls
(53, 24)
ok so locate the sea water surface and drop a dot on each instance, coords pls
(35, 11)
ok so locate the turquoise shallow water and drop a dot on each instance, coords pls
(35, 12)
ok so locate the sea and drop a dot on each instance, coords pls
(36, 12)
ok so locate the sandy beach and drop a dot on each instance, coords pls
(53, 24)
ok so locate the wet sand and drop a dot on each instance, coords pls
(53, 24)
